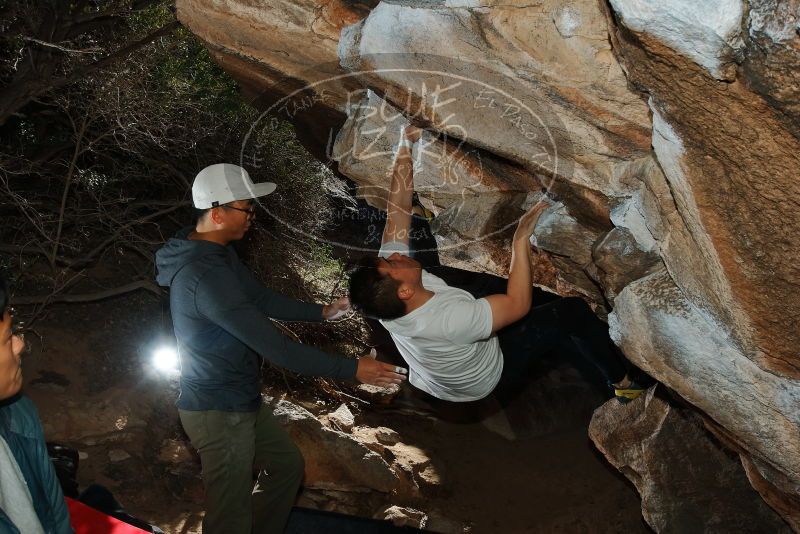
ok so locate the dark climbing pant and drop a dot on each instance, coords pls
(232, 446)
(562, 324)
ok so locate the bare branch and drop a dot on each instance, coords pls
(90, 297)
(61, 48)
(99, 248)
(24, 206)
(37, 79)
(25, 250)
(67, 180)
(114, 56)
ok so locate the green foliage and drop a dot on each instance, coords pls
(185, 72)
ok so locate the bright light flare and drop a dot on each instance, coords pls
(165, 360)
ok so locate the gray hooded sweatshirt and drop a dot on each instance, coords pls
(220, 312)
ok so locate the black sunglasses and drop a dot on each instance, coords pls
(251, 211)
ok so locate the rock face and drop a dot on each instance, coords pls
(334, 460)
(709, 34)
(688, 482)
(670, 132)
(341, 457)
(756, 406)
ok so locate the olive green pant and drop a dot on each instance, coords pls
(232, 447)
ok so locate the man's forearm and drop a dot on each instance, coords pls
(398, 209)
(519, 276)
(274, 304)
(512, 305)
(402, 188)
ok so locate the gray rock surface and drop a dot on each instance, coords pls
(687, 480)
(403, 517)
(664, 334)
(342, 418)
(335, 460)
(619, 260)
(708, 33)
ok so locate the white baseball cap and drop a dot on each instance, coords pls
(224, 182)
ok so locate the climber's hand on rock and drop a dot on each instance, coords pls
(371, 371)
(336, 309)
(527, 222)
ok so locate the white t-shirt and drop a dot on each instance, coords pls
(447, 342)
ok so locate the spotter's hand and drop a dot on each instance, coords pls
(336, 309)
(371, 371)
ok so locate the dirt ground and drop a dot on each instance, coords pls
(89, 360)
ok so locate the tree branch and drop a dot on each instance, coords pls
(25, 250)
(59, 47)
(119, 54)
(67, 181)
(99, 248)
(89, 297)
(36, 78)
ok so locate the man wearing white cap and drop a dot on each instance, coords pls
(220, 313)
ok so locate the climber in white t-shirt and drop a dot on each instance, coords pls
(457, 347)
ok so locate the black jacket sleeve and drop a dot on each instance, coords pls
(272, 303)
(221, 300)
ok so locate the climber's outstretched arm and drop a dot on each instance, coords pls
(401, 190)
(515, 303)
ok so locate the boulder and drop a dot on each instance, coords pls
(175, 452)
(778, 490)
(258, 42)
(688, 481)
(445, 171)
(664, 334)
(731, 163)
(570, 243)
(771, 65)
(335, 460)
(403, 516)
(412, 464)
(341, 419)
(284, 56)
(619, 260)
(474, 195)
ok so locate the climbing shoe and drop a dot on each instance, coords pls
(629, 392)
(419, 210)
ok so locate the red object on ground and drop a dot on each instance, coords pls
(87, 520)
